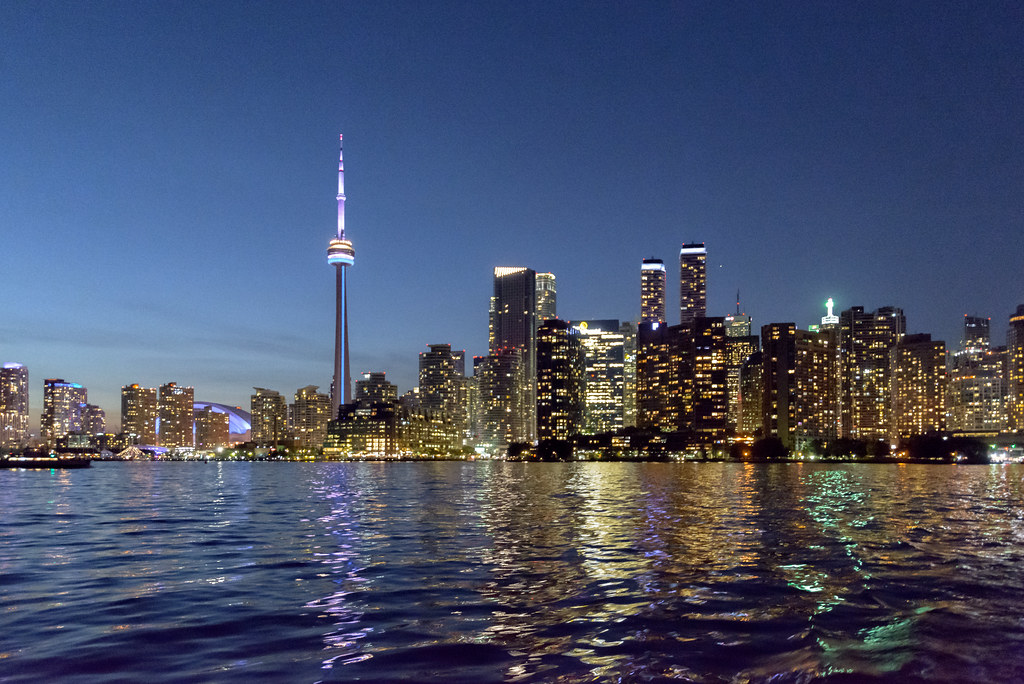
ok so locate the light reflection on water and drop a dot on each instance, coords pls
(511, 572)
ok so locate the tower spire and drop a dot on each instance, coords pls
(341, 190)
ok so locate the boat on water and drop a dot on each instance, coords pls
(59, 461)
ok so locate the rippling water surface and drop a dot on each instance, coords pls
(481, 572)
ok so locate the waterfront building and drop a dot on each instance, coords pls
(375, 387)
(751, 410)
(693, 287)
(443, 384)
(269, 417)
(14, 431)
(139, 414)
(664, 377)
(1015, 370)
(737, 350)
(176, 409)
(652, 291)
(800, 384)
(918, 392)
(710, 378)
(62, 409)
(547, 299)
(976, 386)
(501, 418)
(212, 428)
(513, 326)
(603, 346)
(94, 420)
(865, 339)
(341, 255)
(560, 369)
(309, 416)
(628, 331)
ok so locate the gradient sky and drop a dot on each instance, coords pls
(168, 172)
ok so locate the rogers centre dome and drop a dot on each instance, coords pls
(239, 420)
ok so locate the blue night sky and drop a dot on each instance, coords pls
(168, 172)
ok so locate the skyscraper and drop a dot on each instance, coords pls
(513, 325)
(547, 297)
(693, 285)
(443, 384)
(559, 380)
(13, 405)
(652, 291)
(176, 413)
(269, 416)
(341, 255)
(139, 413)
(917, 386)
(604, 377)
(976, 386)
(309, 416)
(62, 409)
(1015, 369)
(865, 339)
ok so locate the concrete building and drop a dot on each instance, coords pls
(652, 291)
(62, 409)
(176, 411)
(560, 393)
(269, 417)
(139, 414)
(918, 386)
(14, 423)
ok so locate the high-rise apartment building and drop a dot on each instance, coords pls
(628, 331)
(309, 416)
(94, 420)
(737, 350)
(547, 297)
(975, 385)
(865, 339)
(559, 380)
(375, 387)
(693, 286)
(918, 386)
(176, 411)
(664, 377)
(710, 378)
(1015, 370)
(139, 414)
(269, 417)
(652, 291)
(62, 409)
(501, 413)
(212, 428)
(513, 325)
(603, 346)
(443, 384)
(13, 405)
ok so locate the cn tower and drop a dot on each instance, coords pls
(341, 255)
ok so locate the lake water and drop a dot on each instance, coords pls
(489, 572)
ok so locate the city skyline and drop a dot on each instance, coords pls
(867, 154)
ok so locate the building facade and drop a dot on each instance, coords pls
(269, 417)
(693, 286)
(14, 430)
(560, 392)
(309, 416)
(176, 412)
(139, 414)
(63, 403)
(513, 326)
(547, 297)
(865, 339)
(604, 360)
(652, 291)
(918, 392)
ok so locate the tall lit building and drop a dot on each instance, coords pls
(94, 420)
(918, 386)
(604, 373)
(751, 415)
(693, 285)
(176, 411)
(547, 297)
(628, 332)
(212, 428)
(309, 416)
(443, 384)
(710, 378)
(139, 414)
(13, 405)
(652, 291)
(865, 339)
(501, 413)
(341, 255)
(559, 380)
(1015, 370)
(664, 377)
(513, 326)
(375, 387)
(269, 416)
(62, 409)
(975, 384)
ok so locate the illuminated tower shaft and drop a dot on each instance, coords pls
(341, 255)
